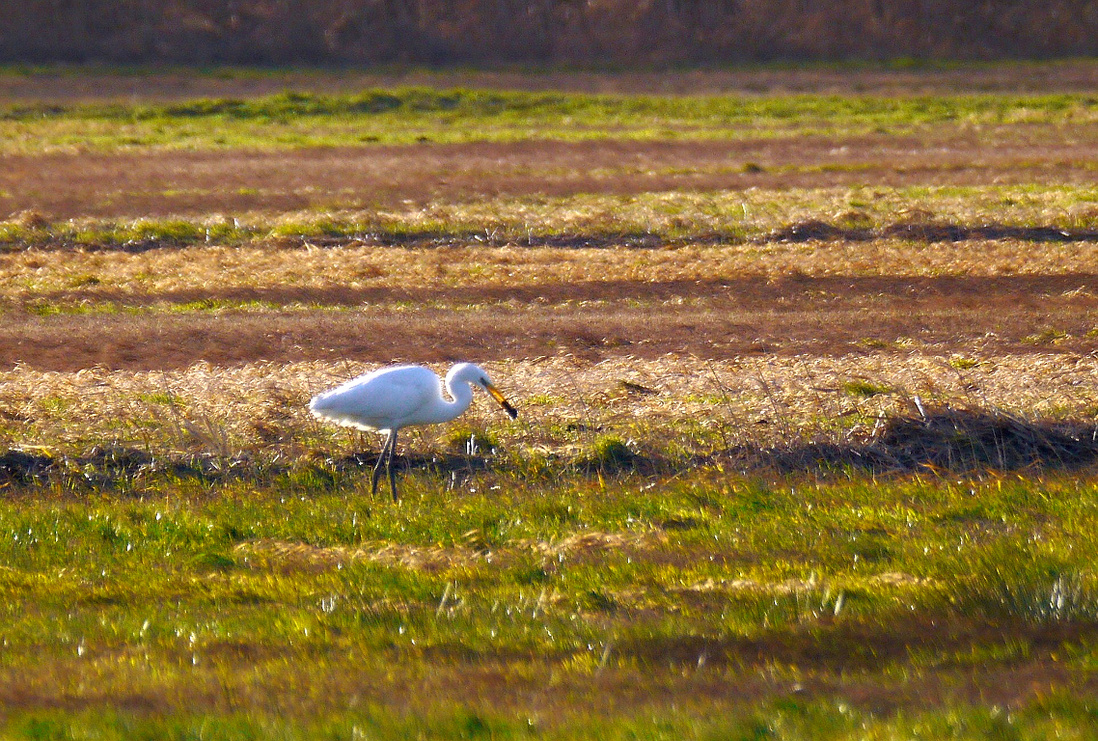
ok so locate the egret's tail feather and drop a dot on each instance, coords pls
(322, 407)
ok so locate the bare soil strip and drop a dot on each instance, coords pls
(595, 320)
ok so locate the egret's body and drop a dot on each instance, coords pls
(402, 396)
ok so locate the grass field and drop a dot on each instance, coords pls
(804, 360)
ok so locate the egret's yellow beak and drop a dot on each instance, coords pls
(500, 398)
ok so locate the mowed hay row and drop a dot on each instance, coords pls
(565, 404)
(310, 275)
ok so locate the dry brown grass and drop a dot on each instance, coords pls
(565, 403)
(782, 251)
(296, 273)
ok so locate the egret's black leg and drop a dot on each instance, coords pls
(392, 474)
(380, 459)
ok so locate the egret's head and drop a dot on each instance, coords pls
(475, 375)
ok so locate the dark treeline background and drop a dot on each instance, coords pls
(581, 32)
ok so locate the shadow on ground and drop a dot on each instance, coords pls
(941, 440)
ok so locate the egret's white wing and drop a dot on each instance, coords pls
(380, 400)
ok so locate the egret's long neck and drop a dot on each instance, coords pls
(462, 393)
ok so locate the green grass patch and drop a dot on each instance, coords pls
(963, 363)
(489, 605)
(865, 389)
(418, 115)
(724, 216)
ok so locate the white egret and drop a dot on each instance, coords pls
(400, 396)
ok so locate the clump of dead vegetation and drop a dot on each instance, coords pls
(953, 439)
(964, 440)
